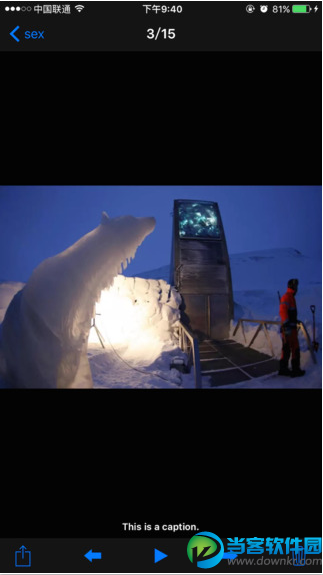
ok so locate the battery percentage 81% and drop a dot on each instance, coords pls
(281, 9)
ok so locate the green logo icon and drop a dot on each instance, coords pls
(205, 550)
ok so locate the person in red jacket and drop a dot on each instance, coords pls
(288, 315)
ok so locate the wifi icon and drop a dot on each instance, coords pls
(79, 7)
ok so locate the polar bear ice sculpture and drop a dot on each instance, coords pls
(46, 327)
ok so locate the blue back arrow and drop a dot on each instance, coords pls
(12, 33)
(159, 556)
(90, 555)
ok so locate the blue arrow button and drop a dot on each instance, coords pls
(12, 34)
(159, 556)
(90, 555)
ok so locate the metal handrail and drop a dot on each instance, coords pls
(194, 355)
(263, 324)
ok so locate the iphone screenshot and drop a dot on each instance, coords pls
(161, 287)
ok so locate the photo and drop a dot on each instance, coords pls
(160, 287)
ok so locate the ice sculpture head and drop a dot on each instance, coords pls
(137, 228)
(127, 233)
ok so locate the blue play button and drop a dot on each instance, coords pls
(159, 556)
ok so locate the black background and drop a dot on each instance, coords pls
(79, 463)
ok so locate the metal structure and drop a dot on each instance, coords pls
(200, 268)
(224, 362)
(189, 344)
(98, 333)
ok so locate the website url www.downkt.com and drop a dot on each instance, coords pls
(274, 561)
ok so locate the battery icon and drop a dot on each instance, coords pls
(301, 9)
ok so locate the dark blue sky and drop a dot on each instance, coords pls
(41, 221)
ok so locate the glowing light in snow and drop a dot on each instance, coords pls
(137, 316)
(125, 318)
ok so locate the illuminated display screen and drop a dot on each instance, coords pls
(198, 220)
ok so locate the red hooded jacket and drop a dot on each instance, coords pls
(287, 308)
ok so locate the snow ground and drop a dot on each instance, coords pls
(139, 317)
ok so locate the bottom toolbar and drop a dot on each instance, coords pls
(204, 550)
(131, 555)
